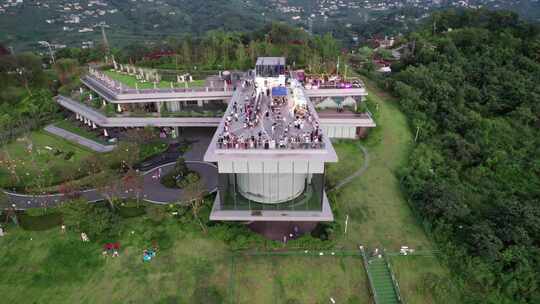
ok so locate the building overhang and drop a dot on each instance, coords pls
(150, 95)
(324, 215)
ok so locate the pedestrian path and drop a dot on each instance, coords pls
(83, 141)
(152, 191)
(356, 174)
(383, 285)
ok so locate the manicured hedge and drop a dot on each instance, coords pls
(42, 222)
(131, 211)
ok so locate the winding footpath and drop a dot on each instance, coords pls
(152, 191)
(357, 173)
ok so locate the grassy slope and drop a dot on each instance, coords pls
(379, 216)
(42, 267)
(383, 217)
(306, 279)
(378, 212)
(350, 160)
(53, 165)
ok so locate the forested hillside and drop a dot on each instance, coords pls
(471, 88)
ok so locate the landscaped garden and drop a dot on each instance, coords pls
(195, 265)
(40, 160)
(132, 82)
(74, 127)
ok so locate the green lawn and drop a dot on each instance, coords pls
(130, 81)
(308, 279)
(190, 267)
(40, 165)
(350, 159)
(74, 127)
(193, 266)
(378, 212)
(379, 215)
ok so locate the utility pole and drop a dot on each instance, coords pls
(105, 40)
(417, 132)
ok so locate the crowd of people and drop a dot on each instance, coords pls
(286, 130)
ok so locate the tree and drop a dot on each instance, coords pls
(75, 214)
(90, 218)
(180, 167)
(134, 181)
(4, 200)
(194, 192)
(108, 185)
(67, 70)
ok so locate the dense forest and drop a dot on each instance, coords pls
(28, 82)
(26, 91)
(470, 87)
(226, 50)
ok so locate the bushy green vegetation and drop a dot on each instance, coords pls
(218, 50)
(26, 91)
(40, 160)
(190, 266)
(73, 127)
(473, 175)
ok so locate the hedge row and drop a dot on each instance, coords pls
(40, 223)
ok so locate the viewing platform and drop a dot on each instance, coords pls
(100, 119)
(115, 92)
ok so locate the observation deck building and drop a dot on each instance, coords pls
(271, 151)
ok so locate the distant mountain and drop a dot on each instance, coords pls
(78, 22)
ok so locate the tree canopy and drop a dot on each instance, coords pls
(470, 88)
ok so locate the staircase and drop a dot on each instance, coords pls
(382, 283)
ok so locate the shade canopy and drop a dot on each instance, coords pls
(279, 91)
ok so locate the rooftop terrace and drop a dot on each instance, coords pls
(113, 82)
(266, 119)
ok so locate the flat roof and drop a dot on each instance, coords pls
(257, 126)
(270, 61)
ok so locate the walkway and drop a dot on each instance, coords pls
(83, 141)
(382, 283)
(356, 174)
(153, 190)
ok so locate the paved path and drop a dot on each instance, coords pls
(356, 174)
(153, 190)
(79, 139)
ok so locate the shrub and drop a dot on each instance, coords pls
(156, 213)
(169, 180)
(131, 211)
(40, 222)
(189, 179)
